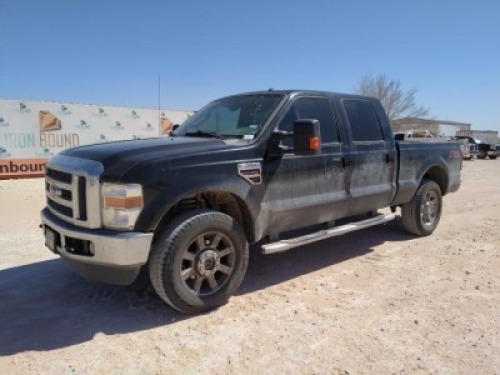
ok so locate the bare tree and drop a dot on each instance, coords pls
(396, 102)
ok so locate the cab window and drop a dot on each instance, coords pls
(312, 108)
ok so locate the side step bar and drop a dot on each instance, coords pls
(284, 245)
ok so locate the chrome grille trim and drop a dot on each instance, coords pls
(56, 199)
(63, 168)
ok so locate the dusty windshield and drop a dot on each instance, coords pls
(233, 117)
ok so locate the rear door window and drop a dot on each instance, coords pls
(363, 120)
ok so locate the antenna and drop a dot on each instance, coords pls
(159, 104)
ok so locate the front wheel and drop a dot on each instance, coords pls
(422, 213)
(199, 261)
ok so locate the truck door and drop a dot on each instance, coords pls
(372, 159)
(306, 190)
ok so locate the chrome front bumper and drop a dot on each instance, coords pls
(100, 255)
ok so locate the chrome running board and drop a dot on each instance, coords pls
(284, 245)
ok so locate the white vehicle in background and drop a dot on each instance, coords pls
(468, 150)
(418, 135)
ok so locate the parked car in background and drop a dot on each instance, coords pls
(483, 149)
(469, 150)
(465, 149)
(473, 149)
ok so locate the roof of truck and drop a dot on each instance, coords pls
(305, 92)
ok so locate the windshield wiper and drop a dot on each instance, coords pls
(202, 133)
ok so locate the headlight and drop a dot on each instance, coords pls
(121, 205)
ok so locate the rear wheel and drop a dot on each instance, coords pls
(422, 213)
(493, 157)
(199, 261)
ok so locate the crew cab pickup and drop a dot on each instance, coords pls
(245, 169)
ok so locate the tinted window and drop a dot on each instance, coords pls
(312, 108)
(235, 116)
(364, 123)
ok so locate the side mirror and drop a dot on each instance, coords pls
(174, 128)
(306, 137)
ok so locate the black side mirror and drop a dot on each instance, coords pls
(174, 128)
(306, 137)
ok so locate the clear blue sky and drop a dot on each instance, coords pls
(111, 52)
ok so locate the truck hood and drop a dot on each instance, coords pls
(121, 156)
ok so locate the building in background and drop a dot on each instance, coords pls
(438, 128)
(32, 131)
(441, 128)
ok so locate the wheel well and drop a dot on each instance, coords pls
(439, 176)
(220, 201)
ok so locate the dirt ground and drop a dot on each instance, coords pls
(377, 301)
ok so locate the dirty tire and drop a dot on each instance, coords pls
(422, 213)
(199, 261)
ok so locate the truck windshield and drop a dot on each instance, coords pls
(233, 117)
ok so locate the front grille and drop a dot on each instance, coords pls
(58, 175)
(82, 201)
(63, 210)
(72, 190)
(63, 195)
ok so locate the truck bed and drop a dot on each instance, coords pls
(414, 160)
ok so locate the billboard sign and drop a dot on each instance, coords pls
(33, 131)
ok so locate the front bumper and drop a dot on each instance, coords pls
(96, 254)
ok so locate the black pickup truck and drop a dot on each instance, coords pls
(483, 148)
(245, 169)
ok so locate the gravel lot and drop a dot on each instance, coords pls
(374, 302)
